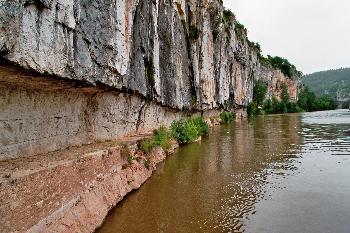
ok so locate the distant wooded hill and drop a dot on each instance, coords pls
(335, 83)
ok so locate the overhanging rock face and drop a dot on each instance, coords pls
(41, 114)
(137, 45)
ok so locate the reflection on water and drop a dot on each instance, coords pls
(237, 180)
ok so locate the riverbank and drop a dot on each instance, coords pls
(271, 173)
(75, 188)
(72, 190)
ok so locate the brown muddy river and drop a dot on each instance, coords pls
(271, 174)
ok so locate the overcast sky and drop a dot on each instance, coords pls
(312, 34)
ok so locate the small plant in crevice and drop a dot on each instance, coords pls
(130, 159)
(227, 117)
(151, 71)
(193, 33)
(147, 164)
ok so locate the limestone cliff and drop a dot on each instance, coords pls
(139, 46)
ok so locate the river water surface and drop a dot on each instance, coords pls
(271, 174)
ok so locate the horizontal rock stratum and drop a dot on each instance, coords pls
(76, 73)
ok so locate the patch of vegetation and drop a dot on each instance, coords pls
(227, 117)
(193, 32)
(161, 137)
(285, 97)
(282, 64)
(259, 92)
(189, 130)
(228, 15)
(310, 102)
(151, 73)
(202, 126)
(227, 20)
(240, 29)
(307, 101)
(130, 159)
(252, 109)
(256, 46)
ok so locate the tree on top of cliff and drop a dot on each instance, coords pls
(282, 64)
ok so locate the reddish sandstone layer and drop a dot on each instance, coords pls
(70, 190)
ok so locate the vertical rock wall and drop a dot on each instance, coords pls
(137, 45)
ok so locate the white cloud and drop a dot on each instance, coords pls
(312, 34)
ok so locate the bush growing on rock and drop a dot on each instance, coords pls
(161, 137)
(189, 130)
(252, 109)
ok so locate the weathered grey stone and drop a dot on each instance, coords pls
(136, 45)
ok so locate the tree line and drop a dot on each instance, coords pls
(307, 101)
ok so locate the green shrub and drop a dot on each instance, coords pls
(284, 94)
(147, 145)
(189, 130)
(259, 93)
(161, 137)
(202, 126)
(184, 131)
(268, 107)
(252, 109)
(308, 101)
(227, 117)
(293, 107)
